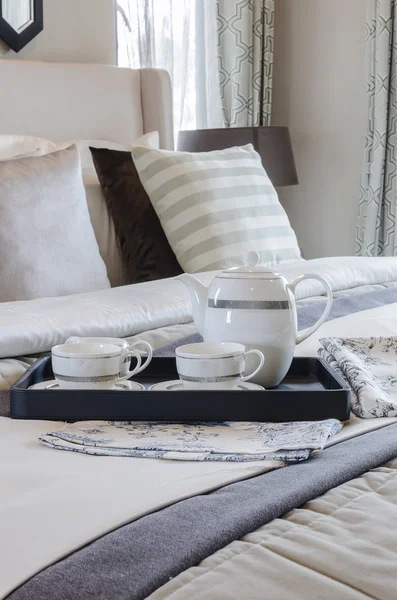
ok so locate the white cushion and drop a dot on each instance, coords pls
(13, 146)
(47, 239)
(18, 146)
(216, 206)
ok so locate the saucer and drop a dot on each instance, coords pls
(177, 385)
(121, 386)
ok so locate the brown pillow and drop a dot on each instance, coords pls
(145, 250)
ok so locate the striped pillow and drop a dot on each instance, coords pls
(216, 206)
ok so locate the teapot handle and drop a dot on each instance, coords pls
(305, 333)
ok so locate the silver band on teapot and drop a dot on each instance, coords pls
(249, 304)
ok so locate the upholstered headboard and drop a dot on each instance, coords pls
(63, 101)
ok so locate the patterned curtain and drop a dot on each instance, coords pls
(245, 53)
(376, 230)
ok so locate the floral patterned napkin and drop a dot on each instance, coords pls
(369, 365)
(231, 441)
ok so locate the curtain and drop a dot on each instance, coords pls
(245, 48)
(179, 36)
(376, 229)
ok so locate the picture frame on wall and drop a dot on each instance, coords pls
(20, 22)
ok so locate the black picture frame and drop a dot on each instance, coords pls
(16, 41)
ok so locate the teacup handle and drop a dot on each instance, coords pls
(305, 333)
(262, 362)
(131, 352)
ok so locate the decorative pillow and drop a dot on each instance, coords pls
(18, 146)
(47, 240)
(216, 206)
(145, 250)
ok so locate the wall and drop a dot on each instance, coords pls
(319, 92)
(74, 31)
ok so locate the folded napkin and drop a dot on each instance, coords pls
(234, 441)
(369, 365)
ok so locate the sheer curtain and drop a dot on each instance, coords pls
(181, 37)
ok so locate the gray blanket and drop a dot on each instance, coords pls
(136, 559)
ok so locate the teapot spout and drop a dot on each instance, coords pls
(198, 296)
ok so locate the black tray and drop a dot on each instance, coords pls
(311, 391)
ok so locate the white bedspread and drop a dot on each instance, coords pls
(159, 312)
(51, 502)
(36, 325)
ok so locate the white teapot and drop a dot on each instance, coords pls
(254, 306)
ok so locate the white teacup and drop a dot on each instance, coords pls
(213, 365)
(106, 340)
(95, 365)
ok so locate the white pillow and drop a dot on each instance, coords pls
(46, 236)
(13, 146)
(216, 206)
(18, 146)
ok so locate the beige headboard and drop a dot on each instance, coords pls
(63, 101)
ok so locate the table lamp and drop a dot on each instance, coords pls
(273, 144)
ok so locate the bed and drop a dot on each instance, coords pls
(75, 526)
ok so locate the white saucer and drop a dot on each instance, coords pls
(121, 386)
(177, 385)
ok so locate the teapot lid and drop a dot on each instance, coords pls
(251, 269)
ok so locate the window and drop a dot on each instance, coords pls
(179, 36)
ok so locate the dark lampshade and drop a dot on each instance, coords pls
(272, 143)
